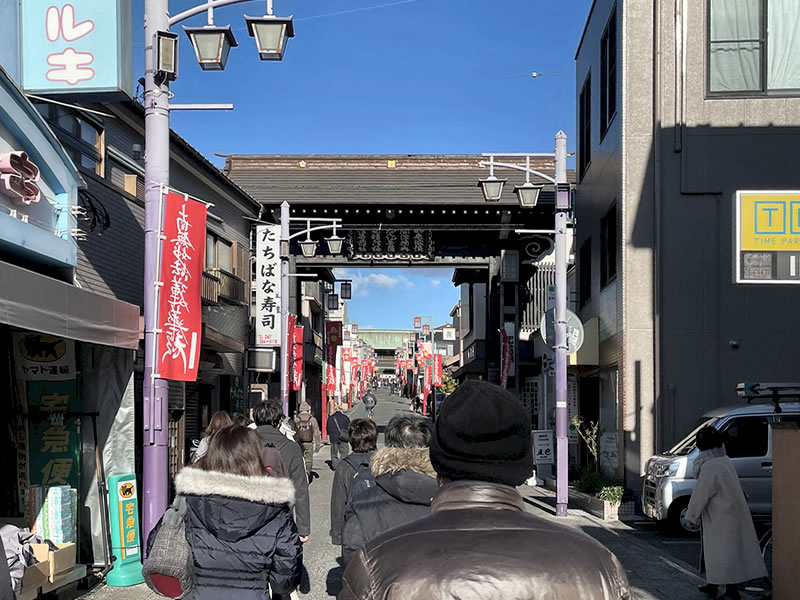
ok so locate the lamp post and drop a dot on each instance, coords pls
(309, 249)
(161, 52)
(527, 195)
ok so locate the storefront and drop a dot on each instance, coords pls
(67, 354)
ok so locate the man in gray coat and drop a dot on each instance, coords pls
(268, 416)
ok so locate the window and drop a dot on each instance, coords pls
(753, 46)
(219, 253)
(585, 273)
(747, 437)
(608, 246)
(585, 125)
(608, 74)
(82, 137)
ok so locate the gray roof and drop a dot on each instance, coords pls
(373, 179)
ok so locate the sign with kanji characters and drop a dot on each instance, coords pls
(543, 452)
(449, 334)
(45, 369)
(76, 47)
(41, 357)
(767, 237)
(417, 322)
(437, 370)
(268, 285)
(179, 306)
(297, 358)
(123, 508)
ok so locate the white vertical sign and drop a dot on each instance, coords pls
(512, 342)
(268, 285)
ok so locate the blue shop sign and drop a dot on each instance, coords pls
(76, 48)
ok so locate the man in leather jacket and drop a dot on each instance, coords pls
(479, 543)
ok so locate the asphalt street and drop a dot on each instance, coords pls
(658, 566)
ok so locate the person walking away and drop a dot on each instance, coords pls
(363, 435)
(218, 420)
(370, 401)
(478, 541)
(267, 416)
(308, 435)
(288, 428)
(405, 484)
(730, 546)
(239, 522)
(337, 429)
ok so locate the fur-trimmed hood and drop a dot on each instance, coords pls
(391, 460)
(261, 489)
(233, 507)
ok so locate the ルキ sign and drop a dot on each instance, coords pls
(179, 314)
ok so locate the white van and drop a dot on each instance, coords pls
(669, 477)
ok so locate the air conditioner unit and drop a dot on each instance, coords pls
(261, 360)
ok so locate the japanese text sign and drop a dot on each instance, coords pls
(179, 312)
(268, 285)
(76, 47)
(297, 358)
(417, 322)
(543, 447)
(437, 370)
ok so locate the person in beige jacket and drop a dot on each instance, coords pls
(730, 545)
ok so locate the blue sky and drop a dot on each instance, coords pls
(387, 76)
(391, 298)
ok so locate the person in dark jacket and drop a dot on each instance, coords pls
(363, 435)
(337, 425)
(267, 416)
(405, 485)
(239, 521)
(478, 541)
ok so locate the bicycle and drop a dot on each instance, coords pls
(370, 412)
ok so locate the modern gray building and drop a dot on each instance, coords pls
(679, 106)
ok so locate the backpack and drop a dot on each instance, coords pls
(272, 459)
(305, 431)
(361, 482)
(168, 569)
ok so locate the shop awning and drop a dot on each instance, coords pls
(32, 301)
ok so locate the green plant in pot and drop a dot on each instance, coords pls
(612, 494)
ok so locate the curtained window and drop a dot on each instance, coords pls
(754, 46)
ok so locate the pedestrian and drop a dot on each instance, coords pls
(363, 435)
(405, 484)
(218, 420)
(239, 522)
(336, 427)
(370, 401)
(478, 542)
(730, 546)
(267, 416)
(308, 435)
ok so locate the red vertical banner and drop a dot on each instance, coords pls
(179, 313)
(333, 339)
(428, 378)
(297, 362)
(437, 370)
(291, 320)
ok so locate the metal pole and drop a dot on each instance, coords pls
(285, 341)
(156, 173)
(561, 325)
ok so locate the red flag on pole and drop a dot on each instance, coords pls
(179, 314)
(437, 370)
(297, 362)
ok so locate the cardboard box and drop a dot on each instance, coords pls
(72, 576)
(60, 561)
(35, 577)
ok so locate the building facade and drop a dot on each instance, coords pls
(675, 115)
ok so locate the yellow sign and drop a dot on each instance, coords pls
(769, 221)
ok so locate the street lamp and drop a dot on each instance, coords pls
(270, 33)
(309, 248)
(347, 290)
(335, 244)
(160, 67)
(492, 188)
(333, 302)
(211, 45)
(528, 195)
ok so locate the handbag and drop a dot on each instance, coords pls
(344, 435)
(168, 569)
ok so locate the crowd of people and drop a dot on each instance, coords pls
(433, 513)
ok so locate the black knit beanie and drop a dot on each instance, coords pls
(483, 432)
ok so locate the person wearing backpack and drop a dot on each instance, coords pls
(308, 435)
(363, 436)
(404, 485)
(268, 415)
(238, 522)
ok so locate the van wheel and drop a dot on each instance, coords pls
(674, 521)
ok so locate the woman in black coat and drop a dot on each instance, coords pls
(239, 521)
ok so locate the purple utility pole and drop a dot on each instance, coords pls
(156, 174)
